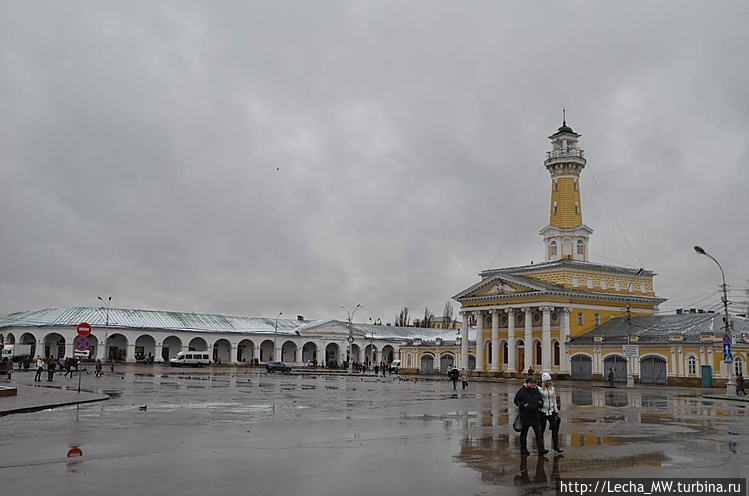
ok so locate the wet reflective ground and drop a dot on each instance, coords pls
(208, 432)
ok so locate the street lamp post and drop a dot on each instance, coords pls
(275, 339)
(106, 304)
(727, 335)
(350, 335)
(630, 367)
(371, 341)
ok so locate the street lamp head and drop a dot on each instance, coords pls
(700, 250)
(640, 271)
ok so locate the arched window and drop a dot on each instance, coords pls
(555, 208)
(580, 247)
(538, 353)
(489, 351)
(574, 184)
(692, 365)
(738, 365)
(553, 248)
(557, 353)
(505, 351)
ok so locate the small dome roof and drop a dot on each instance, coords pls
(565, 128)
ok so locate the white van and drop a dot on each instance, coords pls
(396, 366)
(191, 359)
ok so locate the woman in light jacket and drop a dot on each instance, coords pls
(549, 412)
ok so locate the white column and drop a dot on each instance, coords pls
(546, 340)
(463, 341)
(495, 341)
(512, 349)
(564, 352)
(479, 340)
(130, 352)
(528, 338)
(157, 358)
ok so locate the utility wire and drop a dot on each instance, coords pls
(509, 231)
(613, 217)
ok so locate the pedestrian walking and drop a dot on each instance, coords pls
(454, 374)
(611, 377)
(550, 411)
(529, 401)
(97, 368)
(9, 367)
(739, 384)
(51, 366)
(39, 368)
(463, 378)
(111, 365)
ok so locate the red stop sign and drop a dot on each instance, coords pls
(84, 329)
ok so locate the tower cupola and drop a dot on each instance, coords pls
(566, 237)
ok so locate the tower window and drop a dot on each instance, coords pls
(579, 318)
(574, 184)
(580, 247)
(555, 208)
(553, 249)
(577, 208)
(598, 319)
(556, 185)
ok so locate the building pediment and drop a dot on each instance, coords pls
(501, 285)
(331, 330)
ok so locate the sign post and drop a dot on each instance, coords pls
(82, 344)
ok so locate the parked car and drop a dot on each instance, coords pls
(277, 367)
(395, 367)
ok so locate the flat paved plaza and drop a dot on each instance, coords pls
(228, 430)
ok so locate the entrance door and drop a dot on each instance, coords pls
(427, 364)
(582, 368)
(653, 370)
(446, 363)
(619, 365)
(707, 376)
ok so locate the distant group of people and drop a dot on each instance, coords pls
(456, 375)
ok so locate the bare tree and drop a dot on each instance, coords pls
(428, 318)
(402, 319)
(448, 321)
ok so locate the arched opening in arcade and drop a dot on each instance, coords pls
(116, 347)
(145, 348)
(333, 357)
(170, 347)
(245, 350)
(388, 354)
(221, 352)
(309, 354)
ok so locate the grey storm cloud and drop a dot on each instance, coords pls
(255, 157)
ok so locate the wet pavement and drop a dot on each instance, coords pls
(228, 430)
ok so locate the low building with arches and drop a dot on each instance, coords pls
(144, 335)
(679, 350)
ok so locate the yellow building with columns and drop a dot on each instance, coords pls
(526, 316)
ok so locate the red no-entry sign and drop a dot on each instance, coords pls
(84, 329)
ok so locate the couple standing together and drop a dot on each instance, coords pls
(537, 407)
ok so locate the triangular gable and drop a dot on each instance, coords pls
(500, 285)
(330, 329)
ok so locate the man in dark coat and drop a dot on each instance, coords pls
(453, 374)
(529, 400)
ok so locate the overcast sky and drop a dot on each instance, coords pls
(250, 158)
